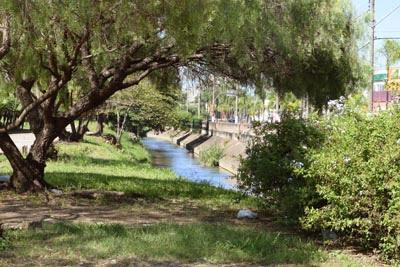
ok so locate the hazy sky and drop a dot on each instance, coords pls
(388, 27)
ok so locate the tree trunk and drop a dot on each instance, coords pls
(121, 128)
(76, 134)
(28, 174)
(100, 125)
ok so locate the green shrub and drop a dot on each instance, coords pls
(4, 242)
(212, 155)
(338, 173)
(275, 164)
(357, 170)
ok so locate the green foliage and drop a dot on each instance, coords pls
(315, 40)
(146, 107)
(306, 47)
(338, 173)
(4, 243)
(151, 108)
(357, 173)
(186, 120)
(391, 51)
(212, 155)
(9, 103)
(275, 164)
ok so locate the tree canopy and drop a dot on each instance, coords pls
(91, 49)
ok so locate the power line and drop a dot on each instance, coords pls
(388, 38)
(364, 46)
(379, 38)
(373, 26)
(390, 13)
(385, 31)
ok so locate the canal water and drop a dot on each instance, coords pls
(183, 163)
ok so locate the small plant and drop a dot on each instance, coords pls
(211, 156)
(4, 242)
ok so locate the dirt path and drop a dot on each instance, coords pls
(98, 207)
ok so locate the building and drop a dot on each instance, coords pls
(379, 81)
(386, 88)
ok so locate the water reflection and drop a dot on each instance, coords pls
(167, 155)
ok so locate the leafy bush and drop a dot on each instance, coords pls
(275, 164)
(338, 173)
(357, 170)
(4, 241)
(186, 120)
(212, 155)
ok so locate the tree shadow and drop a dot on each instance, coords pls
(151, 189)
(83, 160)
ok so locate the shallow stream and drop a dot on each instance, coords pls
(183, 163)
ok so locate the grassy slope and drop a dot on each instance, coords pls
(93, 164)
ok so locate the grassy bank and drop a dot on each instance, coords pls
(177, 221)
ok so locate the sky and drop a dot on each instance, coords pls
(386, 27)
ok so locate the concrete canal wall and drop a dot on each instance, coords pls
(231, 137)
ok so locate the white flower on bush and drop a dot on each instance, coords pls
(290, 179)
(346, 160)
(298, 164)
(337, 105)
(398, 141)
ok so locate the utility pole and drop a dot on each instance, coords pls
(213, 102)
(199, 104)
(236, 109)
(372, 10)
(187, 100)
(236, 104)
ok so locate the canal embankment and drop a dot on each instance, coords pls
(165, 154)
(234, 147)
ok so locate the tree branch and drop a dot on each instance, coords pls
(17, 123)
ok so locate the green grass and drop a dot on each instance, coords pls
(212, 243)
(212, 155)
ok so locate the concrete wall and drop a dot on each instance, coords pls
(240, 132)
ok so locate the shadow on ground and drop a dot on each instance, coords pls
(146, 188)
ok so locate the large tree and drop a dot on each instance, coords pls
(105, 46)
